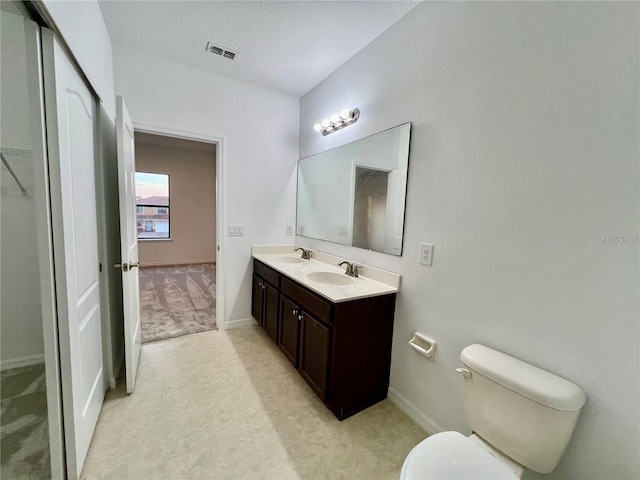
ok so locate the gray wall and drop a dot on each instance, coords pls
(524, 156)
(20, 311)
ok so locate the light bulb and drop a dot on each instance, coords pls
(326, 122)
(317, 127)
(345, 114)
(335, 118)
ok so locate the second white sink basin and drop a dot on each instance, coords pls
(330, 278)
(288, 260)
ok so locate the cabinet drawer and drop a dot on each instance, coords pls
(267, 273)
(307, 300)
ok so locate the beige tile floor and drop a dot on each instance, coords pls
(227, 404)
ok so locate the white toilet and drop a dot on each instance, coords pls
(521, 417)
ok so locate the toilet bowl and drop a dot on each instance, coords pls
(521, 416)
(451, 455)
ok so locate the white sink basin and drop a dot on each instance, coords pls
(288, 260)
(330, 278)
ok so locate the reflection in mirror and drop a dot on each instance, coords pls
(355, 194)
(370, 209)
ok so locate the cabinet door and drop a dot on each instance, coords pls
(314, 354)
(270, 312)
(289, 335)
(256, 298)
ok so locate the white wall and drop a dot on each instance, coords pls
(524, 155)
(20, 315)
(260, 131)
(82, 27)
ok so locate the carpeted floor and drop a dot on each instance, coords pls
(24, 437)
(177, 300)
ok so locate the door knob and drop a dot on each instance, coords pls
(125, 267)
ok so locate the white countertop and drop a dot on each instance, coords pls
(371, 281)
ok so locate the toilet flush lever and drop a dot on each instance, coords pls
(466, 373)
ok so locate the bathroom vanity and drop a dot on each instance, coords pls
(334, 329)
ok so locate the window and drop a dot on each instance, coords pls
(152, 205)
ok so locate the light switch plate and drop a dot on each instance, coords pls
(236, 230)
(426, 253)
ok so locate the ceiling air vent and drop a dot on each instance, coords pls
(220, 51)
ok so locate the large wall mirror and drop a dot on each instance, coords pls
(355, 194)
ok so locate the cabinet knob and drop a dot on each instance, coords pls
(300, 317)
(294, 312)
(263, 286)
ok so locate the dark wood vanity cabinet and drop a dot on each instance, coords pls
(264, 302)
(289, 332)
(315, 345)
(342, 350)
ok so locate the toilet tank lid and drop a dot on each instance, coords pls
(529, 381)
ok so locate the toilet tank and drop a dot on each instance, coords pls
(525, 412)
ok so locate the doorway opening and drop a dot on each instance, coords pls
(177, 235)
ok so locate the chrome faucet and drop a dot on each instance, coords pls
(351, 270)
(306, 254)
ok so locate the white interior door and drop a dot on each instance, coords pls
(129, 243)
(396, 193)
(70, 113)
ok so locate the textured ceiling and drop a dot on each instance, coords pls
(287, 46)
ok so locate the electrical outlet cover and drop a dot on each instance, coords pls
(426, 254)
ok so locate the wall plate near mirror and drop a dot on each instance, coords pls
(355, 194)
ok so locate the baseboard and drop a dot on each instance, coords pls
(241, 322)
(21, 362)
(413, 413)
(174, 264)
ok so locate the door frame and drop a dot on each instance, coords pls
(44, 235)
(219, 185)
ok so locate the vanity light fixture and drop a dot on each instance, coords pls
(337, 121)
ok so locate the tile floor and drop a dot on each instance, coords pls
(24, 434)
(229, 405)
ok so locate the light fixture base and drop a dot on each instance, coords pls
(353, 117)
